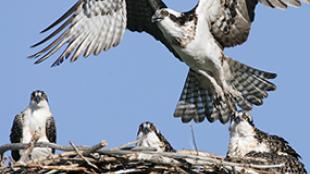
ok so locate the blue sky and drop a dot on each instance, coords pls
(108, 96)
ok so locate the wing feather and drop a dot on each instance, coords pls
(231, 19)
(16, 134)
(51, 131)
(139, 14)
(86, 22)
(93, 26)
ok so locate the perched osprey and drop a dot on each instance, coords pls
(35, 119)
(149, 136)
(216, 84)
(250, 145)
(246, 138)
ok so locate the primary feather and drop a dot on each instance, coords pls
(216, 84)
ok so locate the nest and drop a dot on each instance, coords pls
(124, 159)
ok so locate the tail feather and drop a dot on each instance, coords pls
(244, 68)
(192, 100)
(197, 103)
(252, 83)
(249, 87)
(248, 82)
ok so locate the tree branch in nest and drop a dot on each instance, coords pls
(94, 159)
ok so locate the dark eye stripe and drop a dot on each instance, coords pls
(164, 13)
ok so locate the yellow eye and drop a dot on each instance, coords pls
(164, 13)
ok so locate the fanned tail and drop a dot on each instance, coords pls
(252, 83)
(247, 87)
(197, 103)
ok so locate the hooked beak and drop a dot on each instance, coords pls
(145, 130)
(156, 18)
(237, 120)
(37, 99)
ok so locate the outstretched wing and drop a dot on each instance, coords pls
(89, 27)
(51, 131)
(282, 3)
(139, 15)
(16, 134)
(93, 26)
(231, 20)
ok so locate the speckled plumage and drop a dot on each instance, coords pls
(149, 136)
(35, 120)
(249, 144)
(286, 164)
(196, 37)
(242, 127)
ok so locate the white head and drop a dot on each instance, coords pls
(242, 124)
(171, 22)
(149, 136)
(242, 135)
(38, 99)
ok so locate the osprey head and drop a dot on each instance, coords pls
(242, 123)
(178, 28)
(38, 98)
(149, 136)
(146, 128)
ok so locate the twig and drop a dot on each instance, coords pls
(194, 139)
(91, 160)
(80, 154)
(201, 159)
(34, 139)
(127, 144)
(127, 171)
(20, 146)
(95, 148)
(66, 168)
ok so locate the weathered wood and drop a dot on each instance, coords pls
(95, 159)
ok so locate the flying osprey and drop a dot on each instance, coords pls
(149, 136)
(216, 84)
(246, 138)
(35, 119)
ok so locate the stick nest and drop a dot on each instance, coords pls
(124, 159)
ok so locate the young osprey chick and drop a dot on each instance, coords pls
(149, 136)
(245, 138)
(250, 145)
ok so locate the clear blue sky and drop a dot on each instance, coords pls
(108, 96)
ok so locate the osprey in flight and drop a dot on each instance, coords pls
(248, 141)
(35, 120)
(216, 84)
(149, 136)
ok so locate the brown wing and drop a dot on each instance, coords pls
(231, 24)
(277, 144)
(51, 131)
(139, 14)
(89, 27)
(16, 134)
(93, 26)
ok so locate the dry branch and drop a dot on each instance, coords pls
(95, 159)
